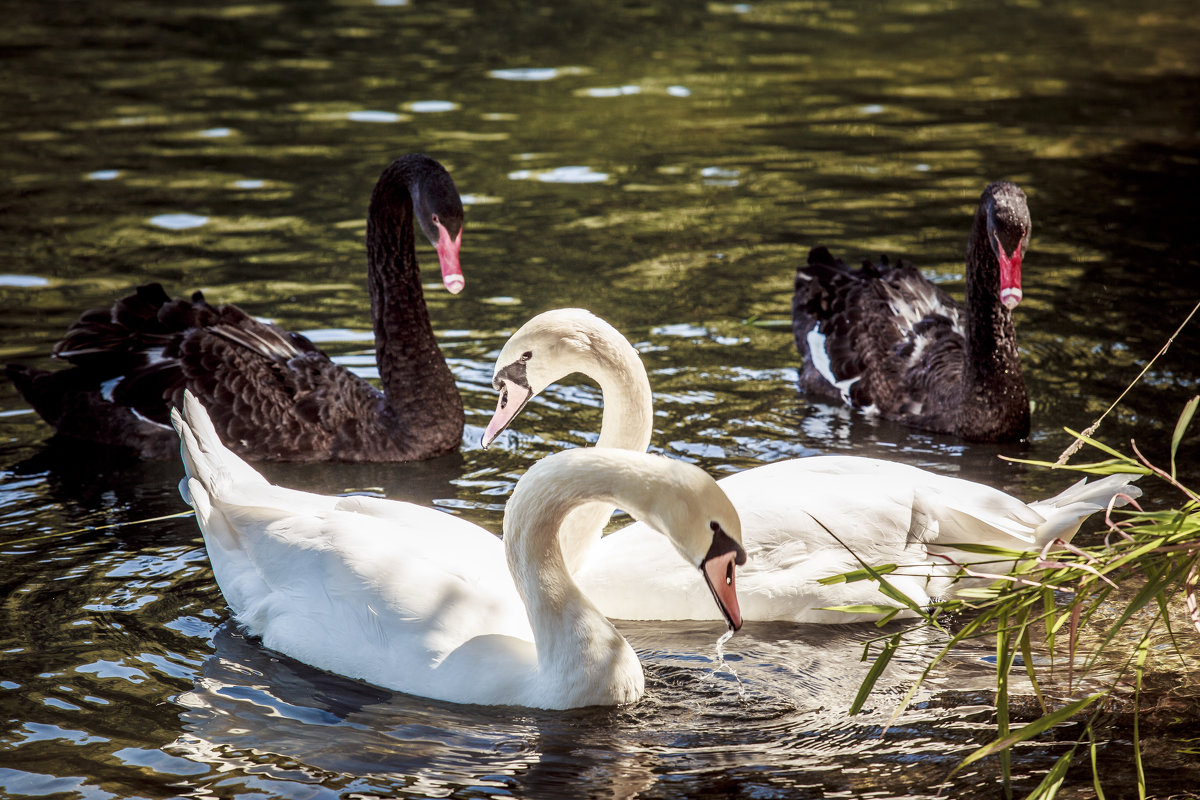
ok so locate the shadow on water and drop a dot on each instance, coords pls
(667, 165)
(769, 717)
(763, 703)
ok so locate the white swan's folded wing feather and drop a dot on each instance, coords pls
(1066, 511)
(365, 596)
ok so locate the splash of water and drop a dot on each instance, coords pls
(723, 665)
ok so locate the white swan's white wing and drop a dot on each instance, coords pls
(369, 588)
(382, 599)
(800, 522)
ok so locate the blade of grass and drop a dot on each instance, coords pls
(1074, 446)
(1091, 734)
(93, 528)
(1111, 466)
(1048, 788)
(1003, 665)
(1189, 589)
(1185, 419)
(1143, 649)
(881, 662)
(1040, 725)
(1027, 657)
(876, 574)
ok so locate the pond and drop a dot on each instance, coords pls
(666, 165)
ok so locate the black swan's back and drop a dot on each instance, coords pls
(131, 363)
(884, 339)
(272, 394)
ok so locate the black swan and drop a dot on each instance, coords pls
(886, 340)
(272, 394)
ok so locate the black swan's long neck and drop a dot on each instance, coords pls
(414, 374)
(992, 385)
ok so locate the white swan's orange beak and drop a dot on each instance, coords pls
(719, 574)
(447, 251)
(513, 398)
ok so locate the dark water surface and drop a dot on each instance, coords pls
(665, 165)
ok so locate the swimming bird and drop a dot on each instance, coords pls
(803, 519)
(420, 601)
(273, 394)
(886, 340)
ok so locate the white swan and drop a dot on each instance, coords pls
(802, 519)
(422, 602)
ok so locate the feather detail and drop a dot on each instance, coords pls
(272, 394)
(884, 337)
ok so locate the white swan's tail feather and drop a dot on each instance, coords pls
(205, 458)
(1067, 510)
(213, 471)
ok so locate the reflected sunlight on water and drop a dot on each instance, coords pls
(665, 165)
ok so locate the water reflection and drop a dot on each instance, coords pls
(179, 222)
(317, 723)
(666, 165)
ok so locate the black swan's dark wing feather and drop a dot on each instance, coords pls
(887, 337)
(884, 338)
(272, 394)
(285, 404)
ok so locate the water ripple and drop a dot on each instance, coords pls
(374, 116)
(572, 174)
(179, 222)
(24, 281)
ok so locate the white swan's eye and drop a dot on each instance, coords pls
(528, 354)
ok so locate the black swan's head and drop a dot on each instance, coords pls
(439, 212)
(1008, 227)
(435, 203)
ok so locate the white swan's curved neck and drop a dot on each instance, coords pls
(582, 659)
(627, 424)
(628, 420)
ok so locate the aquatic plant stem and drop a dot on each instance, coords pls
(91, 528)
(1073, 448)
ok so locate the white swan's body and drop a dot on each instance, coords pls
(419, 601)
(881, 512)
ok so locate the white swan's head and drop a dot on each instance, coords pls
(701, 521)
(546, 349)
(677, 499)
